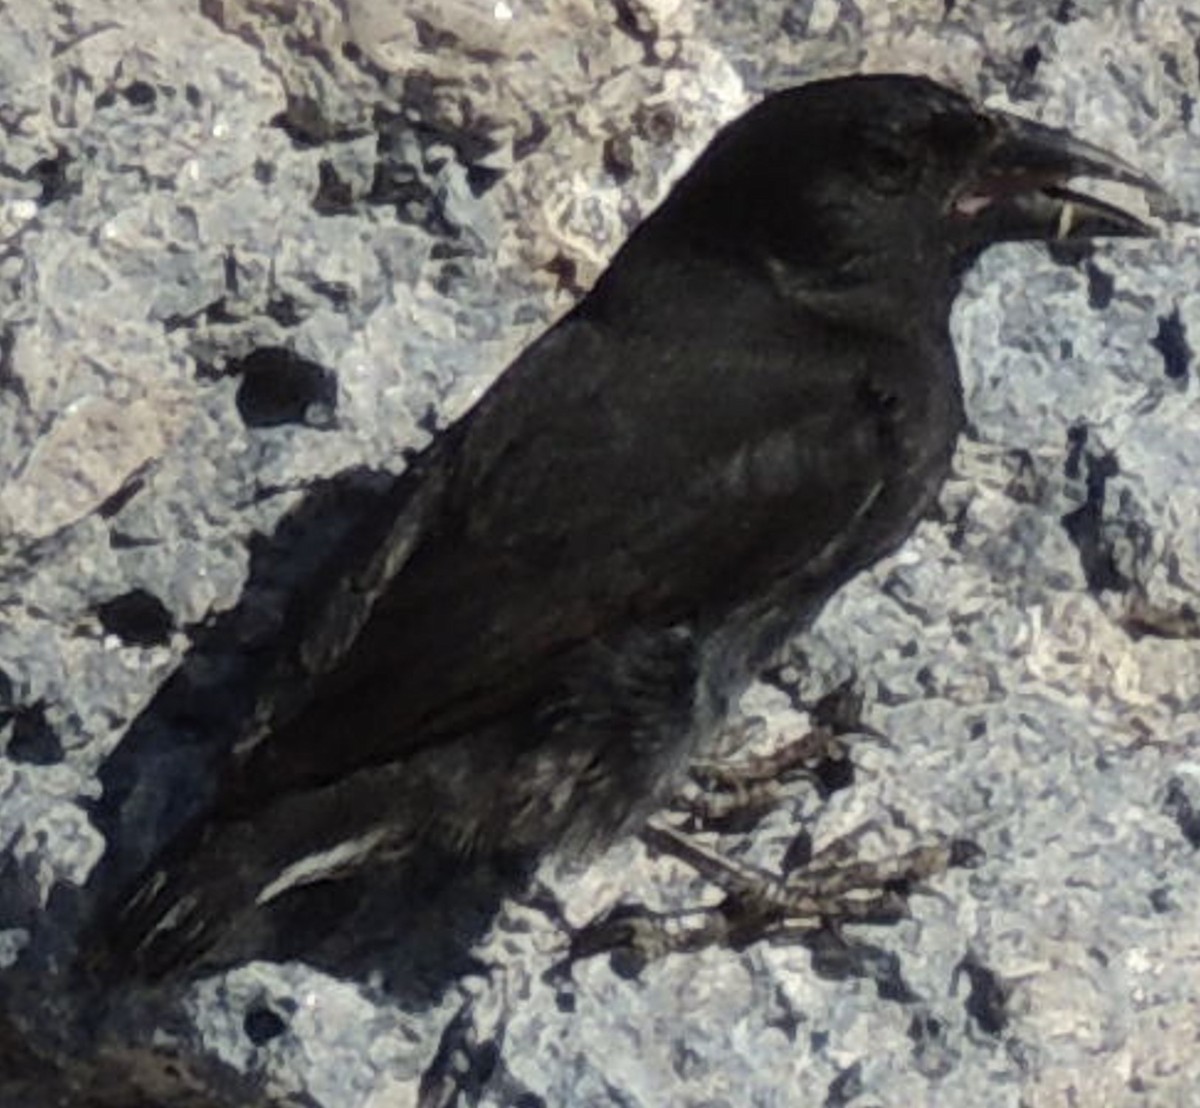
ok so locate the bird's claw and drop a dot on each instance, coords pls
(734, 797)
(834, 889)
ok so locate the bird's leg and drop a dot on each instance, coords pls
(811, 891)
(734, 796)
(834, 888)
(828, 887)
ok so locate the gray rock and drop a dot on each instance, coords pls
(402, 196)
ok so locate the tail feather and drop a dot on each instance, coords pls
(206, 901)
(174, 914)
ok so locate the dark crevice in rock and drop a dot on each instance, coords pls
(10, 381)
(1022, 84)
(987, 998)
(262, 1024)
(566, 273)
(1162, 901)
(1092, 535)
(932, 1054)
(1178, 804)
(461, 1059)
(58, 176)
(847, 1086)
(1171, 342)
(215, 311)
(278, 386)
(141, 94)
(837, 958)
(338, 293)
(334, 196)
(33, 741)
(137, 618)
(412, 152)
(1100, 286)
(432, 38)
(130, 487)
(481, 178)
(635, 21)
(524, 145)
(1077, 437)
(284, 310)
(617, 157)
(306, 123)
(403, 181)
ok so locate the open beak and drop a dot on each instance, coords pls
(1019, 189)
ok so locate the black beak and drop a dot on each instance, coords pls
(1018, 190)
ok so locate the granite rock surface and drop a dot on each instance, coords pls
(257, 253)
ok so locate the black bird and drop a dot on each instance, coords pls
(758, 399)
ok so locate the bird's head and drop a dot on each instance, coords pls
(888, 180)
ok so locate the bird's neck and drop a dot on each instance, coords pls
(862, 297)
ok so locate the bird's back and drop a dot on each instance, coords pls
(632, 472)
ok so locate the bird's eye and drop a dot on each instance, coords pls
(887, 166)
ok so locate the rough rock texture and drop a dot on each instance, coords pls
(253, 245)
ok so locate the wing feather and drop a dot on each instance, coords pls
(555, 523)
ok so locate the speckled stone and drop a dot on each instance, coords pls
(404, 195)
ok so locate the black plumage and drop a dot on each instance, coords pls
(758, 399)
